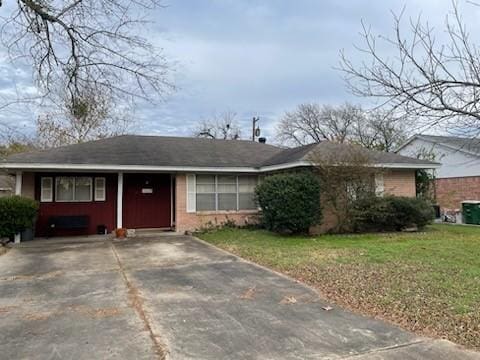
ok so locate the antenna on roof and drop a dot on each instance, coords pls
(255, 128)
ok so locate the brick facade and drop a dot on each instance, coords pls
(399, 182)
(185, 221)
(396, 182)
(450, 192)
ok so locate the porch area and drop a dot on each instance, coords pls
(94, 203)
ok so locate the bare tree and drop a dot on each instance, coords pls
(436, 82)
(219, 126)
(312, 123)
(96, 44)
(380, 130)
(88, 116)
(346, 173)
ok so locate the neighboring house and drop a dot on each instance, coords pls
(458, 178)
(7, 184)
(176, 183)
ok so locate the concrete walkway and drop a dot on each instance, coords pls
(176, 297)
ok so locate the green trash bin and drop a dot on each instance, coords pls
(471, 212)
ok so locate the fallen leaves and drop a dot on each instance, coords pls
(248, 294)
(288, 300)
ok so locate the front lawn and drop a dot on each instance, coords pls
(426, 282)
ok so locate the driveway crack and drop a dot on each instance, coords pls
(137, 303)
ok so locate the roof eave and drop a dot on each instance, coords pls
(220, 169)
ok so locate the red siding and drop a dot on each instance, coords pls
(99, 212)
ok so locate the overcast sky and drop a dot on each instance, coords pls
(256, 58)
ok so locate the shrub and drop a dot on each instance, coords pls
(16, 214)
(391, 213)
(289, 202)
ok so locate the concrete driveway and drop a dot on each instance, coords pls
(177, 297)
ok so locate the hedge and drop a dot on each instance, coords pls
(16, 214)
(290, 202)
(391, 213)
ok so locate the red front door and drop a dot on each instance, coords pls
(146, 201)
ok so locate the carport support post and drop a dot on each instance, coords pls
(18, 191)
(120, 201)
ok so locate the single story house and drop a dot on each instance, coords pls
(458, 178)
(139, 182)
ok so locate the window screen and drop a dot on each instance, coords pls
(246, 192)
(46, 189)
(227, 192)
(83, 189)
(206, 196)
(64, 188)
(100, 189)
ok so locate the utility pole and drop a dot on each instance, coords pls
(255, 129)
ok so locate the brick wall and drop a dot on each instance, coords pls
(450, 192)
(185, 221)
(399, 182)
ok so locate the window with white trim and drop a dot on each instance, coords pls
(74, 189)
(100, 193)
(46, 189)
(223, 192)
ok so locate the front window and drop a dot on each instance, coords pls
(225, 192)
(73, 189)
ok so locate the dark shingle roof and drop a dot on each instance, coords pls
(155, 151)
(460, 143)
(327, 150)
(191, 152)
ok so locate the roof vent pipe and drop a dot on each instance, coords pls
(262, 140)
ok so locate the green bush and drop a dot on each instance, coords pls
(391, 213)
(16, 214)
(290, 202)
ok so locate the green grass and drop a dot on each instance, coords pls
(428, 282)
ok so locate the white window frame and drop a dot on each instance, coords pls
(191, 193)
(103, 187)
(43, 198)
(74, 188)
